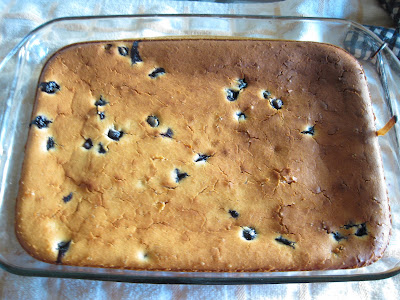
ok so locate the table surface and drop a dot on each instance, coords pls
(18, 18)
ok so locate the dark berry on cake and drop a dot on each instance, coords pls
(41, 122)
(180, 175)
(101, 149)
(135, 57)
(362, 230)
(242, 84)
(88, 144)
(153, 121)
(168, 134)
(50, 87)
(67, 198)
(350, 225)
(234, 214)
(201, 157)
(276, 103)
(115, 134)
(100, 102)
(124, 51)
(62, 248)
(249, 233)
(338, 236)
(241, 116)
(266, 94)
(309, 131)
(284, 241)
(50, 143)
(101, 115)
(157, 72)
(232, 95)
(108, 46)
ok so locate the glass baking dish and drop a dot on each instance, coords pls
(20, 70)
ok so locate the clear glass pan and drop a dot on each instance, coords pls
(20, 70)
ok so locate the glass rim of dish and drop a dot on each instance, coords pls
(184, 277)
(239, 16)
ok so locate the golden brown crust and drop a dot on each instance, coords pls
(315, 201)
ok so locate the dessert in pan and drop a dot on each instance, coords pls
(203, 155)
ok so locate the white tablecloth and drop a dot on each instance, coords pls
(18, 17)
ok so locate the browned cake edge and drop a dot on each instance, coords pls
(381, 240)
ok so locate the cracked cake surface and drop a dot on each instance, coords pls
(203, 155)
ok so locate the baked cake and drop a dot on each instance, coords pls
(203, 155)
